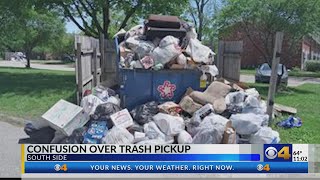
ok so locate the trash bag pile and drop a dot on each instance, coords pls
(223, 113)
(164, 42)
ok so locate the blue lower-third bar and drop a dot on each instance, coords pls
(166, 167)
(145, 157)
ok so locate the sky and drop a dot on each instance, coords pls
(71, 27)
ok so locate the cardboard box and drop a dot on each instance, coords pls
(122, 119)
(229, 135)
(66, 117)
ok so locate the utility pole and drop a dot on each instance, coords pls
(274, 76)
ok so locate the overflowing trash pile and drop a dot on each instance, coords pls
(164, 42)
(223, 113)
(18, 57)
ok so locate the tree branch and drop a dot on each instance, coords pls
(85, 23)
(129, 14)
(106, 18)
(69, 15)
(92, 14)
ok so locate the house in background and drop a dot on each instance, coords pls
(253, 53)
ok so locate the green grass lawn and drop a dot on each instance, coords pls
(306, 98)
(298, 73)
(295, 73)
(248, 71)
(28, 93)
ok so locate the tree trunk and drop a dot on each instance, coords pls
(28, 54)
(106, 19)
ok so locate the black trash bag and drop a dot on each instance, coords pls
(76, 137)
(135, 128)
(103, 112)
(143, 114)
(33, 126)
(39, 136)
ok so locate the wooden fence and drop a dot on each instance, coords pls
(92, 66)
(229, 59)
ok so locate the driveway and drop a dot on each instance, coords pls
(10, 153)
(60, 67)
(292, 81)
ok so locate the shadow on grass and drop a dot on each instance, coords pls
(59, 63)
(36, 83)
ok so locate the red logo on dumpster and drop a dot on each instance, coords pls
(166, 90)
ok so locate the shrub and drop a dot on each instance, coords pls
(313, 65)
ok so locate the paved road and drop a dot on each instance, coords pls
(10, 150)
(61, 67)
(292, 81)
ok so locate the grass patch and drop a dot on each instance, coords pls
(28, 93)
(248, 71)
(299, 73)
(306, 98)
(52, 62)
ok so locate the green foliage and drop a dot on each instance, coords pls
(313, 65)
(262, 19)
(27, 28)
(107, 16)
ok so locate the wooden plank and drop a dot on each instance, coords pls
(102, 57)
(220, 58)
(273, 78)
(95, 59)
(283, 108)
(79, 74)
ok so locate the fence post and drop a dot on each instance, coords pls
(273, 79)
(220, 58)
(79, 73)
(95, 73)
(102, 53)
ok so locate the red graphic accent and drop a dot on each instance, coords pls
(167, 90)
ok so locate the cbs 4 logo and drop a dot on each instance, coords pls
(278, 153)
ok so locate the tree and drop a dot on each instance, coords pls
(95, 16)
(27, 27)
(260, 20)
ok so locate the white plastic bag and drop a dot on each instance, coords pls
(184, 138)
(118, 135)
(248, 123)
(199, 52)
(114, 100)
(153, 141)
(168, 40)
(152, 131)
(216, 119)
(209, 133)
(253, 105)
(90, 103)
(265, 135)
(235, 98)
(211, 69)
(144, 48)
(169, 125)
(253, 92)
(168, 50)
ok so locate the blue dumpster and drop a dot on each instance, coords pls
(138, 86)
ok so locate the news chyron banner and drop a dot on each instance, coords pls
(213, 158)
